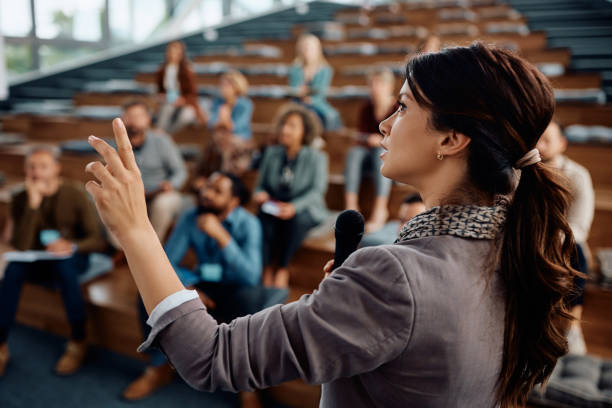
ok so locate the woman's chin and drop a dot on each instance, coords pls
(384, 172)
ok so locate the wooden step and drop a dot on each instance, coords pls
(73, 166)
(266, 109)
(531, 42)
(56, 128)
(419, 9)
(597, 321)
(113, 99)
(296, 394)
(597, 158)
(111, 302)
(535, 41)
(567, 81)
(432, 22)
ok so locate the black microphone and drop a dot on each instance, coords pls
(348, 232)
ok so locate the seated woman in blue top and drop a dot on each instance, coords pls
(290, 191)
(230, 121)
(309, 79)
(232, 110)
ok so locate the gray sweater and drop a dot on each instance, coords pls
(160, 160)
(416, 324)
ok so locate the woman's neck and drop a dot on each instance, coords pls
(231, 101)
(312, 66)
(292, 151)
(450, 187)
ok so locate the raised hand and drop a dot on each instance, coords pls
(118, 192)
(119, 195)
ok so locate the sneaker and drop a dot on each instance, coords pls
(575, 340)
(4, 358)
(73, 358)
(150, 381)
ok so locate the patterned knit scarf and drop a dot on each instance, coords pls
(465, 221)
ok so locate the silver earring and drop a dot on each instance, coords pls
(439, 156)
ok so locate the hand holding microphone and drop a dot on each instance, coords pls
(348, 231)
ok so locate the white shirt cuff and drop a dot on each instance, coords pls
(170, 302)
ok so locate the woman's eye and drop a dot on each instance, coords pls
(402, 107)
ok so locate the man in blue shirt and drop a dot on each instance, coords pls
(226, 240)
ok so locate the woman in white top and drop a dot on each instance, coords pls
(176, 86)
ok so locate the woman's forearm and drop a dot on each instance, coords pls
(150, 267)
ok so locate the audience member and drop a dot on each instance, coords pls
(411, 206)
(430, 44)
(56, 216)
(310, 78)
(226, 240)
(231, 147)
(176, 84)
(366, 153)
(552, 146)
(232, 110)
(160, 162)
(290, 191)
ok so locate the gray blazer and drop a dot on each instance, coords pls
(310, 179)
(416, 324)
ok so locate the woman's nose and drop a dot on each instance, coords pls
(385, 126)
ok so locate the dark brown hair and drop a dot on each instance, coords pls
(184, 59)
(503, 104)
(132, 103)
(312, 124)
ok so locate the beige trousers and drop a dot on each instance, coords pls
(163, 210)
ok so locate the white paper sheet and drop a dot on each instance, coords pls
(32, 256)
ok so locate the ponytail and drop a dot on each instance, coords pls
(535, 265)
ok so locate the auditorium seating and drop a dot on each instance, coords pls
(70, 105)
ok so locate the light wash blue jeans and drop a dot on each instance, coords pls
(357, 159)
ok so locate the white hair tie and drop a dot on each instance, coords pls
(530, 158)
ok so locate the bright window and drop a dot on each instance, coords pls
(70, 19)
(15, 18)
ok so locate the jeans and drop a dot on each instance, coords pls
(163, 210)
(579, 263)
(359, 157)
(63, 273)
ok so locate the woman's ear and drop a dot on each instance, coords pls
(454, 143)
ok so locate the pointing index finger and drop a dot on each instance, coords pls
(124, 147)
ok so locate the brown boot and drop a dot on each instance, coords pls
(4, 358)
(73, 358)
(250, 400)
(150, 381)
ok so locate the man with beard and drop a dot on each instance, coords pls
(226, 240)
(160, 162)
